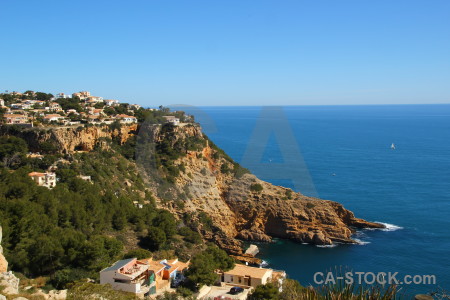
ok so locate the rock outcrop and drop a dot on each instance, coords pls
(10, 283)
(238, 213)
(71, 139)
(3, 262)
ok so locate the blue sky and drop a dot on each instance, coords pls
(230, 52)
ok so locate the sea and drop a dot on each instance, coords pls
(346, 154)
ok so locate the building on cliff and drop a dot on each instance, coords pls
(172, 120)
(15, 119)
(126, 119)
(246, 276)
(47, 179)
(128, 275)
(142, 277)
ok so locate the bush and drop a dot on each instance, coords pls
(256, 187)
(265, 292)
(63, 277)
(138, 253)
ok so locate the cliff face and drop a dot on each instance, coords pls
(3, 262)
(242, 214)
(70, 139)
(207, 181)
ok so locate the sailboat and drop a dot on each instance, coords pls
(393, 146)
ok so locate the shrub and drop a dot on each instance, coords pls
(256, 187)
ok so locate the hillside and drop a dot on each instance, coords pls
(153, 187)
(238, 204)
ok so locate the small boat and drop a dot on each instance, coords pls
(392, 146)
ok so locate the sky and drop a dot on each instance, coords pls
(230, 52)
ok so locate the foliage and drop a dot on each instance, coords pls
(202, 267)
(138, 253)
(256, 187)
(87, 290)
(46, 231)
(63, 277)
(292, 290)
(12, 151)
(71, 103)
(156, 238)
(267, 291)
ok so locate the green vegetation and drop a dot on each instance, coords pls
(202, 267)
(256, 187)
(72, 231)
(292, 290)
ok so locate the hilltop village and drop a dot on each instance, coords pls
(40, 109)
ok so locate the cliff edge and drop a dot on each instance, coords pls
(240, 206)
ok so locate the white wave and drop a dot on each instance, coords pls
(263, 263)
(326, 246)
(390, 227)
(361, 242)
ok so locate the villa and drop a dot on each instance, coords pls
(142, 277)
(47, 179)
(109, 102)
(128, 275)
(54, 117)
(15, 119)
(126, 118)
(246, 276)
(172, 120)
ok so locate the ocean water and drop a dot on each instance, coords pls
(348, 159)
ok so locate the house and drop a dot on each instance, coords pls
(62, 96)
(47, 179)
(53, 117)
(20, 106)
(82, 95)
(37, 112)
(246, 276)
(72, 111)
(2, 102)
(15, 119)
(85, 178)
(94, 99)
(172, 120)
(163, 271)
(93, 119)
(126, 118)
(109, 102)
(135, 106)
(128, 275)
(34, 102)
(55, 106)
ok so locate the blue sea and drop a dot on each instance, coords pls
(348, 158)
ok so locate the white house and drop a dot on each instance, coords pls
(128, 275)
(47, 179)
(109, 102)
(172, 120)
(62, 96)
(54, 117)
(126, 119)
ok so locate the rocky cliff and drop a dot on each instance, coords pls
(71, 139)
(190, 175)
(239, 211)
(3, 262)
